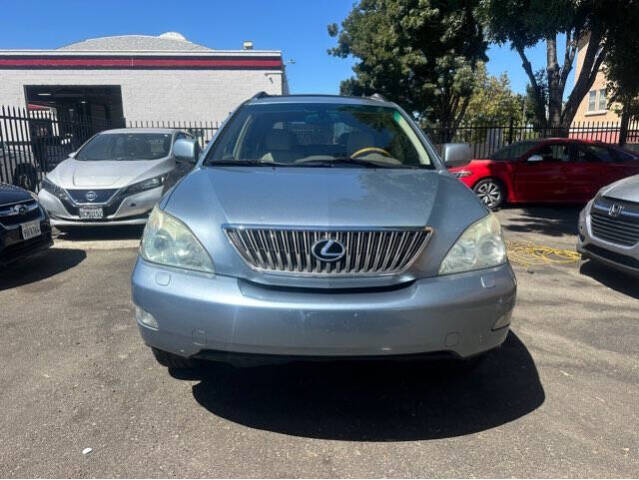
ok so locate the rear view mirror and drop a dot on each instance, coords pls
(536, 158)
(186, 150)
(456, 154)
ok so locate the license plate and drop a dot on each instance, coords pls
(91, 213)
(30, 229)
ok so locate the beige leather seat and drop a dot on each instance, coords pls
(279, 145)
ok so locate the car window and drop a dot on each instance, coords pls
(297, 133)
(126, 146)
(513, 151)
(556, 152)
(594, 154)
(621, 156)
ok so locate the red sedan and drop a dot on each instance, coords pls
(553, 170)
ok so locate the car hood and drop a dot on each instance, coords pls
(626, 189)
(12, 194)
(210, 198)
(72, 174)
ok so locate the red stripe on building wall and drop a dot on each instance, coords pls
(140, 62)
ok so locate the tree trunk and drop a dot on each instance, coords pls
(540, 105)
(555, 85)
(623, 127)
(593, 58)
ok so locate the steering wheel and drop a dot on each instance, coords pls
(361, 151)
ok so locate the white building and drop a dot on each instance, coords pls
(139, 78)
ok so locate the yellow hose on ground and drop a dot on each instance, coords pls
(528, 254)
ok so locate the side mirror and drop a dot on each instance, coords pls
(186, 150)
(72, 154)
(456, 154)
(536, 158)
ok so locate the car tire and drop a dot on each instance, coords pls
(25, 176)
(171, 360)
(491, 192)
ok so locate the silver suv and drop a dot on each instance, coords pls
(609, 226)
(321, 227)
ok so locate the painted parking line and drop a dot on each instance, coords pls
(96, 244)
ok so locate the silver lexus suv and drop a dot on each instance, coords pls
(316, 227)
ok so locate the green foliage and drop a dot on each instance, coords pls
(525, 23)
(493, 102)
(420, 53)
(622, 62)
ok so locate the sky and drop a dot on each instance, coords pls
(296, 27)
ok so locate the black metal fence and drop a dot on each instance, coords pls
(202, 130)
(485, 139)
(33, 142)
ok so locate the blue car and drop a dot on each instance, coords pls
(24, 225)
(321, 227)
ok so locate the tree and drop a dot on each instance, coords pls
(621, 69)
(525, 23)
(420, 53)
(493, 102)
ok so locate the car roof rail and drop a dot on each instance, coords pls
(261, 94)
(378, 96)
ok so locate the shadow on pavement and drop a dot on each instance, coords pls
(125, 232)
(380, 401)
(611, 278)
(555, 221)
(42, 266)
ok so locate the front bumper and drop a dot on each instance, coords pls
(13, 248)
(625, 259)
(196, 313)
(132, 210)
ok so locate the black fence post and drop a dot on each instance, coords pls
(511, 130)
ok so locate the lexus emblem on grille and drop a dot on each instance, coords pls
(615, 210)
(328, 250)
(91, 196)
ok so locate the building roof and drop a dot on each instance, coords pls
(167, 51)
(167, 42)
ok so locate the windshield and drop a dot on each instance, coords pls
(297, 135)
(514, 151)
(126, 146)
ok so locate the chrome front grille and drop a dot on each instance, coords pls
(622, 228)
(614, 230)
(365, 251)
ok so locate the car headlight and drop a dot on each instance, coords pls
(480, 246)
(54, 189)
(462, 173)
(168, 241)
(147, 184)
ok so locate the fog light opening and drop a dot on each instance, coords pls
(145, 318)
(503, 321)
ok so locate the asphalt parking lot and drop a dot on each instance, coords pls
(558, 399)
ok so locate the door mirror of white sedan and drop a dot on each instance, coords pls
(456, 154)
(536, 158)
(186, 150)
(73, 154)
